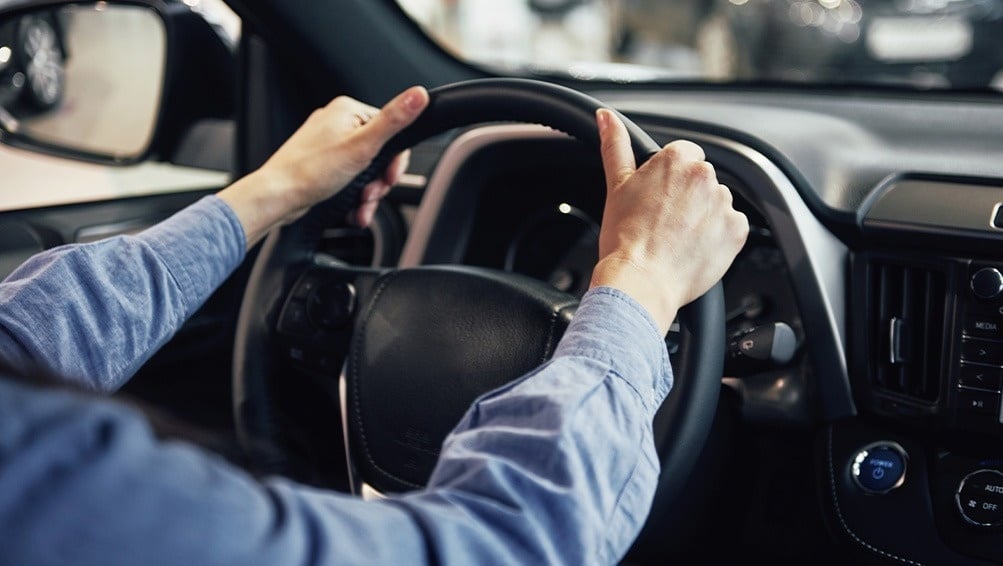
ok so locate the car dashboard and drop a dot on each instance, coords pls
(875, 235)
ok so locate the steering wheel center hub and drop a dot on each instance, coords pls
(430, 342)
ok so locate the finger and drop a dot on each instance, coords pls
(375, 190)
(398, 114)
(372, 193)
(365, 213)
(727, 197)
(683, 150)
(617, 155)
(397, 168)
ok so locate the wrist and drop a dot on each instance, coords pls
(260, 201)
(650, 290)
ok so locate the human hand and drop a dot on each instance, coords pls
(336, 143)
(669, 231)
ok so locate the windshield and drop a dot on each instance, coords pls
(923, 44)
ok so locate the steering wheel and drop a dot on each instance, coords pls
(413, 348)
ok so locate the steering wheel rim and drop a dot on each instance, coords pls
(686, 415)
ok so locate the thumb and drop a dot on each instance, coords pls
(396, 115)
(617, 155)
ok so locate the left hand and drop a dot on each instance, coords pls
(336, 143)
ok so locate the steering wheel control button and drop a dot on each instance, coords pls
(980, 498)
(980, 377)
(982, 351)
(879, 468)
(294, 319)
(987, 283)
(332, 305)
(305, 286)
(981, 402)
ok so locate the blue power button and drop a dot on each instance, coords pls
(879, 468)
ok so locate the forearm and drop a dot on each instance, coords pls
(94, 313)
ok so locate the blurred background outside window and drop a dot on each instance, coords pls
(943, 44)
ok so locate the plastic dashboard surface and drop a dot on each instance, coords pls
(806, 169)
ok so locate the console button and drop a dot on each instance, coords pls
(987, 283)
(982, 402)
(980, 498)
(879, 468)
(980, 377)
(982, 351)
(982, 325)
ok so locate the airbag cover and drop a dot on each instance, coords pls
(431, 341)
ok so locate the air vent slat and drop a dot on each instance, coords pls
(882, 322)
(907, 328)
(928, 346)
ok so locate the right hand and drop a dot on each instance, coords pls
(669, 231)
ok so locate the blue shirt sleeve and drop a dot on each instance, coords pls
(557, 467)
(94, 313)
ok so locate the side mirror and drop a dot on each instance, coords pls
(86, 79)
(109, 82)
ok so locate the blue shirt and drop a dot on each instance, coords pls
(556, 467)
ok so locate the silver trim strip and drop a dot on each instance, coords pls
(992, 217)
(343, 405)
(370, 493)
(412, 181)
(355, 483)
(449, 166)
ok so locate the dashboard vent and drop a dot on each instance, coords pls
(907, 306)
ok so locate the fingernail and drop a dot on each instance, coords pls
(367, 215)
(414, 100)
(602, 117)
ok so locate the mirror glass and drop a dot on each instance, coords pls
(85, 78)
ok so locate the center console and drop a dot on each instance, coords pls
(924, 466)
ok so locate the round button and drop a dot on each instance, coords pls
(987, 283)
(331, 305)
(879, 468)
(980, 498)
